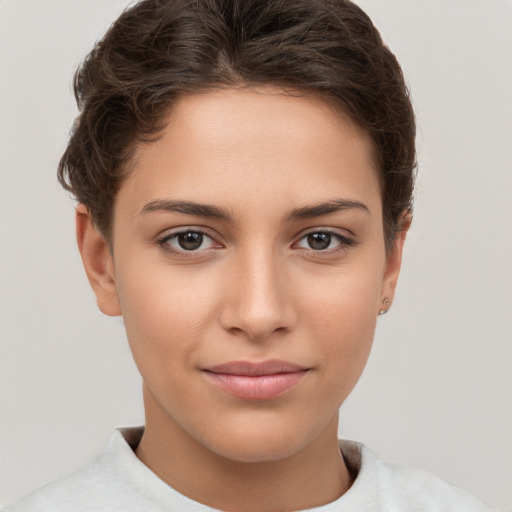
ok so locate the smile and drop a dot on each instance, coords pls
(256, 381)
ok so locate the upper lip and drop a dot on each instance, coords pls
(256, 369)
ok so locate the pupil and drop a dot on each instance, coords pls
(190, 241)
(319, 241)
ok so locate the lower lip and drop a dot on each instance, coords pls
(260, 387)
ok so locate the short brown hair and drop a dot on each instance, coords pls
(158, 50)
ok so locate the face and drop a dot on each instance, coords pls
(249, 265)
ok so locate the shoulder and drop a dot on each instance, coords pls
(87, 489)
(384, 486)
(115, 481)
(105, 484)
(63, 494)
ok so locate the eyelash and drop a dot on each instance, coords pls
(344, 242)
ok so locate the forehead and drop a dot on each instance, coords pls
(233, 143)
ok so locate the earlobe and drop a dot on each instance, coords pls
(393, 265)
(98, 262)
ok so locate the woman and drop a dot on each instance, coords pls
(244, 175)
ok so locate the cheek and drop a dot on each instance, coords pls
(165, 311)
(345, 298)
(342, 318)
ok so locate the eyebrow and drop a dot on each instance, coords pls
(186, 207)
(332, 206)
(211, 211)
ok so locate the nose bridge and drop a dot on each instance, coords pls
(260, 303)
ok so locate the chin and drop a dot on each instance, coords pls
(255, 449)
(262, 441)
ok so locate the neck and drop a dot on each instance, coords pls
(313, 476)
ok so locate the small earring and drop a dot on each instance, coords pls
(387, 302)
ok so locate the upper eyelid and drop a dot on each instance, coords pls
(342, 233)
(171, 232)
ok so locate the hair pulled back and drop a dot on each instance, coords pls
(158, 50)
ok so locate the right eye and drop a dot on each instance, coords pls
(188, 240)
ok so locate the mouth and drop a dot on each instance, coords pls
(256, 381)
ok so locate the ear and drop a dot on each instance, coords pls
(98, 262)
(393, 265)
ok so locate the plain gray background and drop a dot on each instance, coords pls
(436, 393)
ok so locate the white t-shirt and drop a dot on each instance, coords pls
(117, 481)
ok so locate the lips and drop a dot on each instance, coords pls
(256, 381)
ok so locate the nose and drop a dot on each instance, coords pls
(259, 296)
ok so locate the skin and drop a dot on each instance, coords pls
(255, 290)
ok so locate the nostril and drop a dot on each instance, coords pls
(257, 332)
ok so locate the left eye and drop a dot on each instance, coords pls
(188, 241)
(322, 240)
